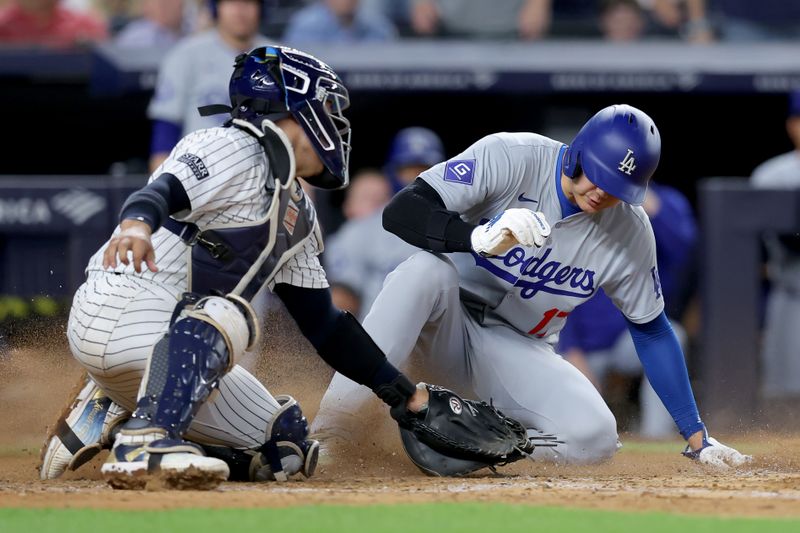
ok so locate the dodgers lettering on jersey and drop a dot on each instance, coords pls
(534, 289)
(226, 176)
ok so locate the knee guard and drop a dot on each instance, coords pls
(286, 452)
(187, 364)
(84, 428)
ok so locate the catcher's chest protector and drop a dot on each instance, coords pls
(243, 258)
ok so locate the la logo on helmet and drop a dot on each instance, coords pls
(628, 163)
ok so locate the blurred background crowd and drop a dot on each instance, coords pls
(121, 134)
(133, 23)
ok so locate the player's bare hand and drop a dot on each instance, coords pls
(712, 452)
(134, 237)
(513, 226)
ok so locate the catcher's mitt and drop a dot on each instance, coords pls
(454, 436)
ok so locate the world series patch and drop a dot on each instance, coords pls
(460, 171)
(290, 217)
(196, 164)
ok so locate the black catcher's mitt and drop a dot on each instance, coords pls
(454, 436)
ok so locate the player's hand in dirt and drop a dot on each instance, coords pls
(134, 237)
(714, 453)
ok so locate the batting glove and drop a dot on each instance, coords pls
(509, 228)
(716, 454)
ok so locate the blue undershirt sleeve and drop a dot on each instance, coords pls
(164, 137)
(664, 365)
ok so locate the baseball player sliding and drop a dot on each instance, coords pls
(518, 230)
(164, 313)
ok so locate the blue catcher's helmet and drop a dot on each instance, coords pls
(618, 150)
(415, 146)
(274, 82)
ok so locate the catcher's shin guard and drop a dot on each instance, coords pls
(288, 449)
(187, 364)
(83, 429)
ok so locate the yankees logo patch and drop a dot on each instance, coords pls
(460, 171)
(196, 164)
(455, 405)
(628, 163)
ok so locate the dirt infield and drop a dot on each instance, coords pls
(34, 384)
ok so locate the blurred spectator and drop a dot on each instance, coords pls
(397, 11)
(622, 20)
(756, 20)
(116, 13)
(46, 23)
(338, 21)
(780, 360)
(160, 25)
(361, 253)
(575, 18)
(368, 193)
(687, 18)
(595, 337)
(196, 73)
(412, 151)
(499, 19)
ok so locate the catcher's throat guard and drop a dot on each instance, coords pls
(454, 436)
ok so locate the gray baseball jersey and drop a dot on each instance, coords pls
(195, 73)
(489, 324)
(534, 289)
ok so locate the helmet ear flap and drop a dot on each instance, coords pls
(571, 164)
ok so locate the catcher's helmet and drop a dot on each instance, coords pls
(273, 82)
(415, 146)
(618, 150)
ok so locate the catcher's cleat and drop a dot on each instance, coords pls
(145, 458)
(84, 428)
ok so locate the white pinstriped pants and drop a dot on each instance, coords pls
(115, 321)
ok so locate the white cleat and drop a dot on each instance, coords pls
(83, 429)
(146, 459)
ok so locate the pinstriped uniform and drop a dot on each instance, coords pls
(118, 315)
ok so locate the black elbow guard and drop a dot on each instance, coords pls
(418, 216)
(446, 232)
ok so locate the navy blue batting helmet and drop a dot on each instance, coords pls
(618, 149)
(276, 81)
(415, 146)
